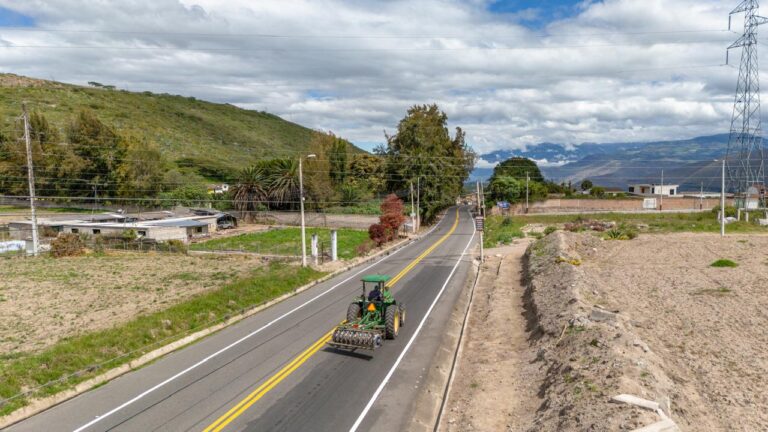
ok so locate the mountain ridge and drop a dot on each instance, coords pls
(688, 162)
(201, 139)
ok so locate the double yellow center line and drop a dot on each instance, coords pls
(294, 364)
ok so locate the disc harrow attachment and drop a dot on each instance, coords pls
(351, 338)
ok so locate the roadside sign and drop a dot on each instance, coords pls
(649, 203)
(479, 223)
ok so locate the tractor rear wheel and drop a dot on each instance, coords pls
(392, 322)
(354, 312)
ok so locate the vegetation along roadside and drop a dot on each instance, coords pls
(81, 357)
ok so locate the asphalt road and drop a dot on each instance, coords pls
(272, 371)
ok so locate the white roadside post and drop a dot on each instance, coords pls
(334, 246)
(315, 253)
(301, 205)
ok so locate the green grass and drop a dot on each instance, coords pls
(286, 241)
(502, 230)
(724, 263)
(129, 341)
(657, 222)
(372, 207)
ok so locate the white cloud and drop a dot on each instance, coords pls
(621, 70)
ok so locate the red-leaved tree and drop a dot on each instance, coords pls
(378, 233)
(390, 220)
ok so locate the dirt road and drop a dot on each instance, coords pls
(491, 390)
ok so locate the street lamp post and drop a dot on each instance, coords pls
(301, 205)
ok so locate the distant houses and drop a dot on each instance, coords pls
(652, 189)
(182, 224)
(219, 189)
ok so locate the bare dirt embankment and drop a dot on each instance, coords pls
(648, 317)
(491, 390)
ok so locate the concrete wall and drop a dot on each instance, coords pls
(618, 205)
(324, 220)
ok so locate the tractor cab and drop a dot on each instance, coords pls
(371, 317)
(375, 289)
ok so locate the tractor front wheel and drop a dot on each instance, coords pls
(392, 322)
(402, 315)
(354, 312)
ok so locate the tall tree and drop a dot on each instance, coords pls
(337, 157)
(97, 144)
(140, 173)
(367, 170)
(518, 167)
(423, 150)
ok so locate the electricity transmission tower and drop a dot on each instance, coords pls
(746, 157)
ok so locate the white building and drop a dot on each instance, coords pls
(650, 189)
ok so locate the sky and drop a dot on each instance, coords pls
(511, 73)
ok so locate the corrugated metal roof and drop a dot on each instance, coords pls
(186, 223)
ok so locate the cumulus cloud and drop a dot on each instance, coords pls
(617, 70)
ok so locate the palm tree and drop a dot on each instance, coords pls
(251, 189)
(283, 175)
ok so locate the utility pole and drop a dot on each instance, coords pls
(418, 202)
(661, 203)
(527, 181)
(413, 212)
(31, 178)
(477, 184)
(722, 203)
(482, 199)
(301, 206)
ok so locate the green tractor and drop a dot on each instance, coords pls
(371, 318)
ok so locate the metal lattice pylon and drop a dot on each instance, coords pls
(745, 159)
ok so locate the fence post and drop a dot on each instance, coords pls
(334, 245)
(314, 247)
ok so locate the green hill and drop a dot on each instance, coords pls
(202, 139)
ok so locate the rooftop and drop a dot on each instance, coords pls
(376, 278)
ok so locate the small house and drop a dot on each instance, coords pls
(652, 189)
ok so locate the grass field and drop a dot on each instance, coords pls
(286, 241)
(501, 230)
(92, 353)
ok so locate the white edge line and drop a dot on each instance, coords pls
(410, 342)
(235, 343)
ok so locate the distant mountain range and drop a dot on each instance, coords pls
(688, 163)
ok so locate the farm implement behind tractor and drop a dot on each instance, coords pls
(371, 318)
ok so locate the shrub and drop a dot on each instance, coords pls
(177, 246)
(614, 234)
(549, 230)
(505, 238)
(350, 194)
(365, 247)
(724, 263)
(378, 234)
(507, 221)
(128, 235)
(98, 243)
(67, 244)
(730, 211)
